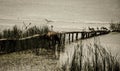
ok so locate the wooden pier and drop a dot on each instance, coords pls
(46, 40)
(77, 35)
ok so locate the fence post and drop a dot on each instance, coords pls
(72, 37)
(64, 38)
(69, 37)
(76, 36)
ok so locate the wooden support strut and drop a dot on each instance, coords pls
(87, 35)
(60, 38)
(63, 38)
(69, 37)
(76, 36)
(72, 37)
(82, 35)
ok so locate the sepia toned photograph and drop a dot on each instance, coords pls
(59, 35)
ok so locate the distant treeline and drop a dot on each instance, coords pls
(16, 33)
(115, 27)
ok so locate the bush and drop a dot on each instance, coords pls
(115, 27)
(16, 33)
(35, 30)
(13, 33)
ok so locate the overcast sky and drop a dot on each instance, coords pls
(61, 10)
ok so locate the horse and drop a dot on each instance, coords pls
(52, 36)
(91, 29)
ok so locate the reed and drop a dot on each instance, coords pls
(12, 33)
(94, 58)
(35, 30)
(11, 45)
(15, 32)
(115, 27)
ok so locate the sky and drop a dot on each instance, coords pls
(61, 10)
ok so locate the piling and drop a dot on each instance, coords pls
(82, 35)
(64, 38)
(72, 37)
(76, 36)
(60, 36)
(69, 37)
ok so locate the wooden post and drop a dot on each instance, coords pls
(72, 36)
(82, 35)
(89, 34)
(86, 34)
(99, 32)
(95, 33)
(60, 36)
(69, 37)
(76, 36)
(64, 38)
(0, 45)
(92, 34)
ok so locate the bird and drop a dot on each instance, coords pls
(26, 26)
(48, 21)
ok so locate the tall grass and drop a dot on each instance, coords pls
(15, 32)
(11, 45)
(115, 27)
(35, 30)
(12, 33)
(93, 58)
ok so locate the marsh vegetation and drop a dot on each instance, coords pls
(91, 57)
(115, 27)
(37, 55)
(15, 32)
